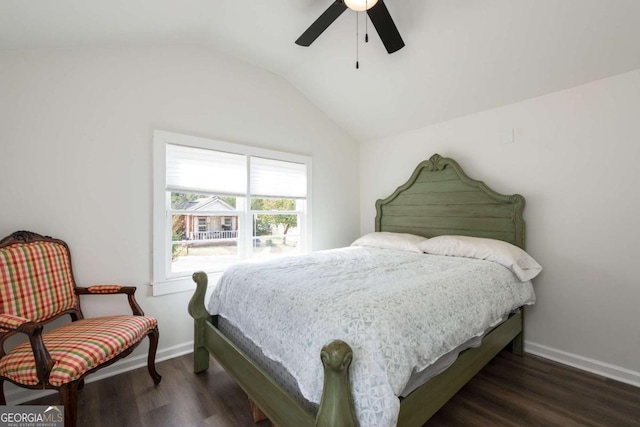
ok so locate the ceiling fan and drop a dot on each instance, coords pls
(377, 11)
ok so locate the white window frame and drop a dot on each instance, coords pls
(163, 281)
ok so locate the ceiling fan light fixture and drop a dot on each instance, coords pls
(360, 5)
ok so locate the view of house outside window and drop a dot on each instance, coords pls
(225, 203)
(206, 230)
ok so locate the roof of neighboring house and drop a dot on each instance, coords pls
(211, 203)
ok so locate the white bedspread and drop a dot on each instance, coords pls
(399, 312)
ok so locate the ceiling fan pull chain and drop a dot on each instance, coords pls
(366, 22)
(357, 41)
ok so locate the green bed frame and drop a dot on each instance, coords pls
(438, 199)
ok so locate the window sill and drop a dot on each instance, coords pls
(180, 284)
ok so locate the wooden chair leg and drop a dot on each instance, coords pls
(154, 336)
(69, 399)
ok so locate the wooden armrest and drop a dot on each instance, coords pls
(10, 322)
(105, 289)
(113, 289)
(44, 362)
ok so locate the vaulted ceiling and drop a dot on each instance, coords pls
(461, 56)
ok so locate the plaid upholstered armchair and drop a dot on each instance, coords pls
(36, 287)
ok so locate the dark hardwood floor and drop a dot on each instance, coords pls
(510, 391)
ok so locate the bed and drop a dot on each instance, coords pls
(439, 199)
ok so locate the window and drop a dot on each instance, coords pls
(217, 203)
(202, 224)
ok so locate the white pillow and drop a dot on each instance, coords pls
(387, 240)
(512, 257)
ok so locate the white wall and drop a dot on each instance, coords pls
(575, 159)
(75, 154)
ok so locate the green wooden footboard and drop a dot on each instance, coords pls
(336, 407)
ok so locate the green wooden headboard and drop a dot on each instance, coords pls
(440, 199)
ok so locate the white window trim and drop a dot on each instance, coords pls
(161, 285)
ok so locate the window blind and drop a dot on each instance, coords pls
(276, 178)
(192, 169)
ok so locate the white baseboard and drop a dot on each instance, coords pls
(16, 395)
(584, 363)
